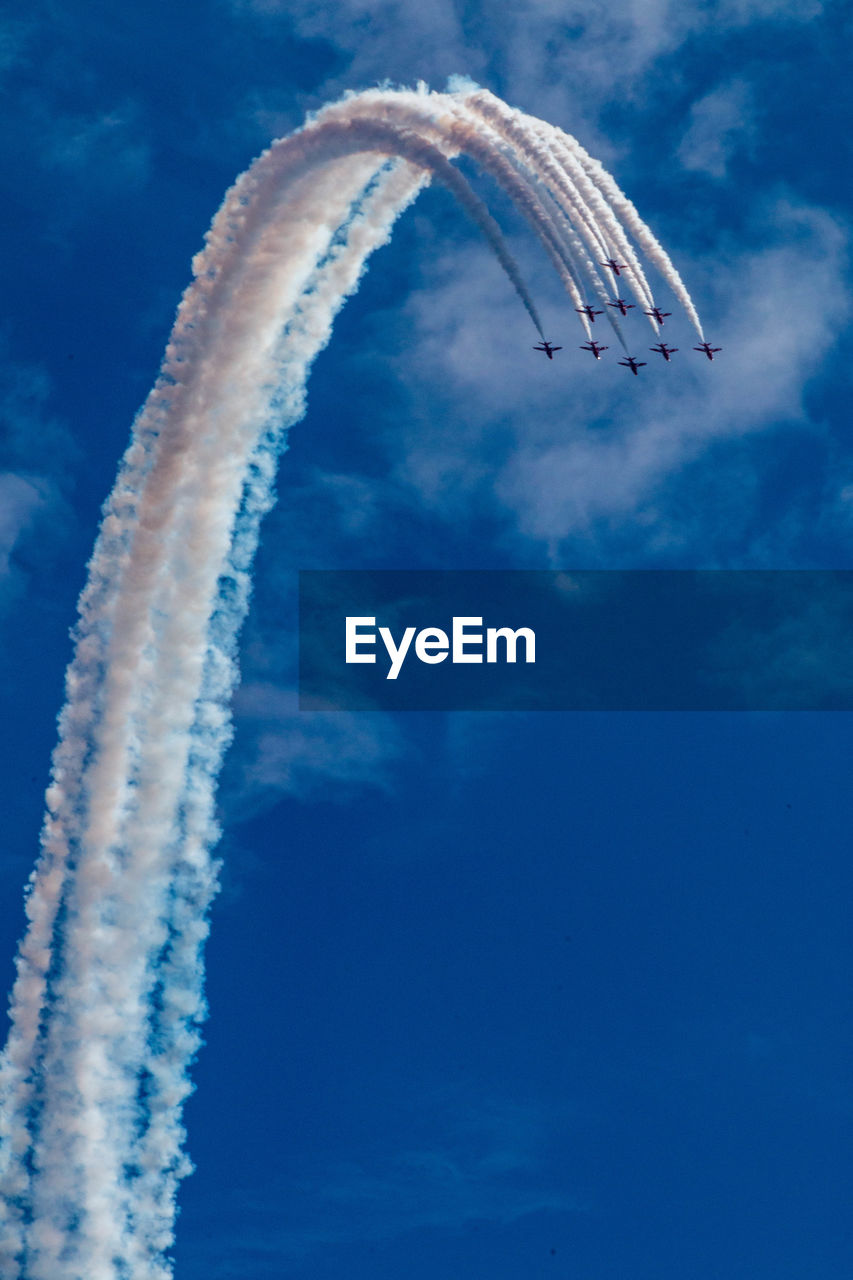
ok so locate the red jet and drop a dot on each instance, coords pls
(623, 306)
(588, 311)
(665, 351)
(706, 349)
(595, 347)
(657, 313)
(633, 365)
(615, 267)
(547, 348)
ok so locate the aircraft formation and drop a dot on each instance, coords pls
(623, 307)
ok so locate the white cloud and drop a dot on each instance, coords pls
(565, 60)
(32, 439)
(720, 124)
(35, 458)
(21, 499)
(587, 444)
(286, 751)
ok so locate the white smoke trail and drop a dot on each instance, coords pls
(308, 330)
(121, 887)
(565, 150)
(556, 157)
(572, 211)
(207, 496)
(453, 131)
(108, 998)
(648, 242)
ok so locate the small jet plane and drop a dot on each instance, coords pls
(588, 311)
(595, 347)
(623, 306)
(657, 313)
(632, 364)
(706, 349)
(665, 351)
(615, 267)
(545, 346)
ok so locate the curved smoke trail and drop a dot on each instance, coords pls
(108, 998)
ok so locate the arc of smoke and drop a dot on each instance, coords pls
(574, 215)
(559, 159)
(109, 994)
(549, 211)
(563, 215)
(452, 132)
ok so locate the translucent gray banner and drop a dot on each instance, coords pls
(587, 640)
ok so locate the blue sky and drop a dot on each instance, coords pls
(557, 995)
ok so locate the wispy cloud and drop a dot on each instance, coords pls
(490, 1165)
(14, 33)
(720, 124)
(35, 457)
(109, 148)
(285, 751)
(21, 499)
(566, 60)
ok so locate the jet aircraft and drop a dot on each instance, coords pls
(665, 351)
(623, 306)
(706, 349)
(545, 346)
(633, 365)
(657, 313)
(588, 311)
(614, 266)
(595, 347)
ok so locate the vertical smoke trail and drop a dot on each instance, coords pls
(207, 496)
(181, 972)
(123, 881)
(108, 998)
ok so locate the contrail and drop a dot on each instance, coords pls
(108, 998)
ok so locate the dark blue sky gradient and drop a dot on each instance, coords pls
(491, 996)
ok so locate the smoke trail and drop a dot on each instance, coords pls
(566, 177)
(452, 131)
(649, 243)
(572, 210)
(308, 330)
(108, 997)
